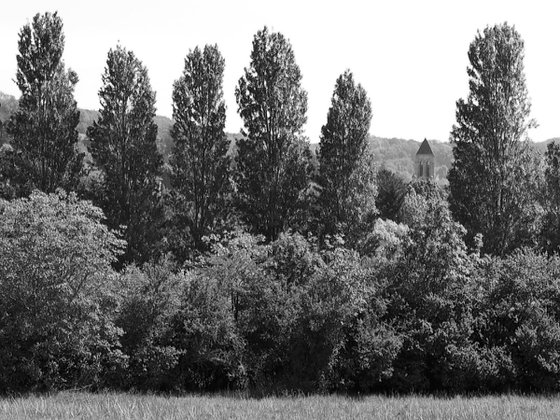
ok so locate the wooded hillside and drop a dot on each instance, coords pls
(394, 154)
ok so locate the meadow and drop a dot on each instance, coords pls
(80, 405)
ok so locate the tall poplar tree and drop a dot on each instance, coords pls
(346, 172)
(123, 146)
(43, 129)
(493, 176)
(273, 159)
(200, 165)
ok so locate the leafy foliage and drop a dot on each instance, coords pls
(150, 298)
(494, 174)
(204, 329)
(521, 331)
(391, 189)
(8, 106)
(123, 146)
(431, 303)
(401, 302)
(56, 294)
(346, 174)
(550, 236)
(43, 129)
(273, 160)
(307, 320)
(200, 165)
(338, 340)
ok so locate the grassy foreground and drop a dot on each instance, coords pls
(127, 406)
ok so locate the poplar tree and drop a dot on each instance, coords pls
(123, 147)
(273, 158)
(199, 162)
(43, 129)
(493, 177)
(346, 172)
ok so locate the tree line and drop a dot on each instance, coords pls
(258, 265)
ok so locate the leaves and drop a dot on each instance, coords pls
(494, 174)
(123, 146)
(273, 160)
(200, 166)
(346, 172)
(43, 129)
(56, 293)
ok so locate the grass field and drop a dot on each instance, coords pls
(126, 406)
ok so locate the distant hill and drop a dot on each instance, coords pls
(398, 155)
(394, 154)
(8, 105)
(542, 145)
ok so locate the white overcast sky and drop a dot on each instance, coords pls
(410, 55)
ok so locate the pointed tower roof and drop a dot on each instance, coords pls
(425, 149)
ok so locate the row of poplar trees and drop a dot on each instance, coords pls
(267, 181)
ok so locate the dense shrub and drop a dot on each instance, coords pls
(287, 316)
(205, 334)
(391, 189)
(415, 310)
(338, 341)
(56, 294)
(431, 299)
(151, 297)
(522, 321)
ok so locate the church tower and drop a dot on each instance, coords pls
(424, 163)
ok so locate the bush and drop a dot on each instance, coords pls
(56, 294)
(338, 341)
(432, 301)
(151, 298)
(418, 313)
(523, 320)
(289, 316)
(205, 333)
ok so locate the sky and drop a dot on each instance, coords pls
(410, 55)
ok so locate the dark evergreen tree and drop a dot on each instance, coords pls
(346, 172)
(273, 159)
(200, 165)
(123, 146)
(43, 129)
(492, 179)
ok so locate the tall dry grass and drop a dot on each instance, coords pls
(132, 406)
